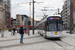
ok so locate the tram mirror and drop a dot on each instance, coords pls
(62, 22)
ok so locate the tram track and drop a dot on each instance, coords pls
(64, 45)
(25, 44)
(58, 42)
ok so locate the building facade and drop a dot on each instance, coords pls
(35, 22)
(2, 15)
(19, 20)
(14, 22)
(7, 12)
(66, 14)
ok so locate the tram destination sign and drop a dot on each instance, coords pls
(53, 18)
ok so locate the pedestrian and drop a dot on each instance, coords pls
(14, 29)
(21, 31)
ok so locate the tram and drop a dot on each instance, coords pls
(50, 27)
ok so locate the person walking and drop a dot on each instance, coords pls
(22, 34)
(14, 29)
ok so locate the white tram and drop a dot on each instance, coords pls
(50, 27)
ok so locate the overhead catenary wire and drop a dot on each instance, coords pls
(48, 3)
(44, 13)
(26, 0)
(39, 10)
(53, 9)
(40, 6)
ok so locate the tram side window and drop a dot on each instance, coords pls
(46, 25)
(43, 25)
(40, 27)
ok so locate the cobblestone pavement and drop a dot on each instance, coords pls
(37, 42)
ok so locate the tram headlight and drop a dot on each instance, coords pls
(49, 32)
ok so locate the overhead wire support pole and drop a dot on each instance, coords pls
(33, 14)
(58, 10)
(33, 17)
(71, 5)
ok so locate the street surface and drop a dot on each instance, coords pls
(37, 42)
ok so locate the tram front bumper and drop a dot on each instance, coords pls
(56, 36)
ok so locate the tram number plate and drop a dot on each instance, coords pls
(56, 33)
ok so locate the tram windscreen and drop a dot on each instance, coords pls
(55, 25)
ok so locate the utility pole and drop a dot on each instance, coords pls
(33, 14)
(58, 10)
(71, 6)
(30, 8)
(33, 17)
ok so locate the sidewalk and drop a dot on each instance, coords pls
(32, 42)
(68, 34)
(68, 38)
(7, 35)
(9, 41)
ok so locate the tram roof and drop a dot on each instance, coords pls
(45, 18)
(54, 15)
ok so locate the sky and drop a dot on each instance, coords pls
(24, 8)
